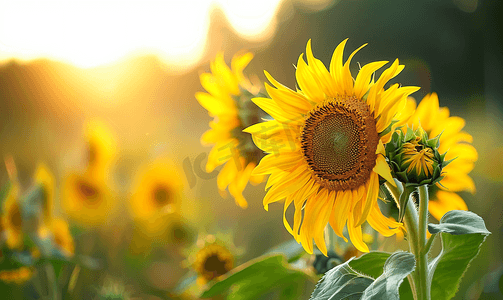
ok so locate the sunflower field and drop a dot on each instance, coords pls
(235, 150)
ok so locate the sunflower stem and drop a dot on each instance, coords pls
(422, 256)
(51, 277)
(411, 221)
(332, 240)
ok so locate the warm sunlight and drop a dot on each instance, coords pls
(89, 34)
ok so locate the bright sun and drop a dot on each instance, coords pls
(93, 33)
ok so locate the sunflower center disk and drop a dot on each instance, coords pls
(339, 141)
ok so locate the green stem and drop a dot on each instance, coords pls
(429, 243)
(412, 225)
(51, 277)
(37, 282)
(332, 239)
(422, 256)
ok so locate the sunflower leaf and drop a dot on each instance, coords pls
(350, 280)
(258, 277)
(291, 249)
(462, 234)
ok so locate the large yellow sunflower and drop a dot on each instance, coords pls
(229, 101)
(86, 199)
(435, 120)
(325, 146)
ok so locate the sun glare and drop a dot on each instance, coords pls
(93, 33)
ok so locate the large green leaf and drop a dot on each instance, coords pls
(257, 277)
(396, 268)
(372, 264)
(462, 234)
(351, 280)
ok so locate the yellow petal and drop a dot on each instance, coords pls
(355, 233)
(382, 168)
(458, 182)
(347, 78)
(323, 212)
(290, 103)
(320, 73)
(371, 197)
(362, 83)
(214, 105)
(336, 66)
(271, 162)
(272, 108)
(226, 175)
(465, 152)
(444, 202)
(339, 214)
(266, 128)
(307, 83)
(382, 224)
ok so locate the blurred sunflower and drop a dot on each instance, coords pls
(156, 191)
(212, 261)
(12, 220)
(45, 179)
(435, 120)
(87, 199)
(213, 257)
(17, 276)
(228, 101)
(100, 147)
(325, 146)
(62, 237)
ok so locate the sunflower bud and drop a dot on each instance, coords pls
(414, 159)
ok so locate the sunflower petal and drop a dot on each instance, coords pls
(382, 168)
(307, 83)
(355, 233)
(372, 192)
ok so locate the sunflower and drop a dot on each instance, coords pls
(86, 199)
(12, 219)
(435, 120)
(325, 146)
(62, 237)
(212, 261)
(17, 276)
(45, 179)
(156, 192)
(228, 101)
(100, 147)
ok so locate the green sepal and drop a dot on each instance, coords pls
(404, 199)
(409, 135)
(388, 129)
(434, 142)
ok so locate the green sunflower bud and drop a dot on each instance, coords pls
(414, 160)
